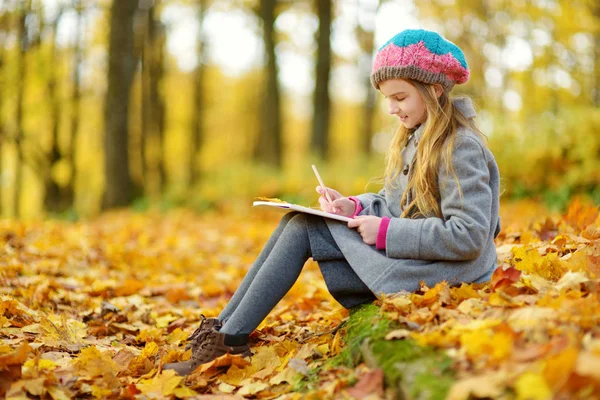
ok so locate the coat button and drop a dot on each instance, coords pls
(406, 168)
(416, 142)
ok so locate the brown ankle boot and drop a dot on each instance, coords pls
(213, 346)
(206, 325)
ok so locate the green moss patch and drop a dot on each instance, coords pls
(413, 371)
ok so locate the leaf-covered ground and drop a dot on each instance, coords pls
(94, 309)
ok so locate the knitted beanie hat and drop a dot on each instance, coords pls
(421, 55)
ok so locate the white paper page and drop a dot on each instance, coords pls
(286, 207)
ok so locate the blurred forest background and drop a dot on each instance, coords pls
(209, 104)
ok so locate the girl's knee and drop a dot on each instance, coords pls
(297, 221)
(289, 215)
(286, 218)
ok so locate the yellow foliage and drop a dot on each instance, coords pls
(531, 386)
(530, 326)
(497, 346)
(161, 385)
(530, 261)
(91, 362)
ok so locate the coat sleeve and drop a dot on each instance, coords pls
(367, 198)
(463, 230)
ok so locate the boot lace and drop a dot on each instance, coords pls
(198, 334)
(199, 355)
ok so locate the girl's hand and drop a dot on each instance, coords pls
(341, 205)
(334, 194)
(368, 227)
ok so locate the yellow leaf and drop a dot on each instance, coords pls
(35, 386)
(17, 391)
(46, 364)
(558, 368)
(58, 393)
(305, 351)
(500, 299)
(530, 261)
(529, 317)
(150, 335)
(336, 346)
(465, 291)
(532, 386)
(129, 287)
(588, 364)
(288, 375)
(177, 336)
(165, 320)
(571, 281)
(323, 348)
(226, 388)
(150, 349)
(222, 361)
(123, 358)
(183, 391)
(252, 388)
(16, 358)
(100, 392)
(161, 385)
(401, 303)
(490, 385)
(234, 375)
(264, 361)
(92, 362)
(496, 345)
(471, 307)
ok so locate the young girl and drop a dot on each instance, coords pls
(435, 219)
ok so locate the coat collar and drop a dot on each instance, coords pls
(463, 104)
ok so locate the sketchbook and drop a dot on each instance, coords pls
(287, 207)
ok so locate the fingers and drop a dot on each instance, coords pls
(321, 189)
(334, 194)
(354, 223)
(325, 206)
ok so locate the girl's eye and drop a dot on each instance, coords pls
(400, 99)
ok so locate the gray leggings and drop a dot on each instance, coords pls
(297, 238)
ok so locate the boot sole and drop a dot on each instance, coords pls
(247, 353)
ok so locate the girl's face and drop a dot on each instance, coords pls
(405, 101)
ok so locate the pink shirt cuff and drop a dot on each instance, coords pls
(382, 233)
(358, 206)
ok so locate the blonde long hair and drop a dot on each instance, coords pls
(443, 119)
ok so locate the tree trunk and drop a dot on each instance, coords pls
(152, 102)
(4, 25)
(69, 190)
(596, 78)
(368, 116)
(157, 71)
(121, 68)
(366, 41)
(197, 134)
(19, 136)
(52, 195)
(145, 107)
(320, 132)
(268, 147)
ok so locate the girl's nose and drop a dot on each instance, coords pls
(393, 109)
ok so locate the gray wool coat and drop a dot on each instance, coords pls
(456, 248)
